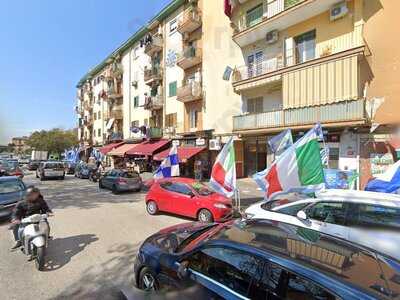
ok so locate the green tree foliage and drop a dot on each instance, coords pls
(54, 141)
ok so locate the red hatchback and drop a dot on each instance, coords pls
(187, 197)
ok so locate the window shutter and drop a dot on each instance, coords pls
(289, 51)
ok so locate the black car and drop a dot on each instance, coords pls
(12, 190)
(261, 259)
(83, 171)
(33, 165)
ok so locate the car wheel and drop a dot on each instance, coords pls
(205, 216)
(101, 186)
(147, 280)
(37, 176)
(62, 177)
(42, 178)
(114, 189)
(151, 207)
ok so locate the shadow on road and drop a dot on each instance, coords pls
(104, 281)
(61, 250)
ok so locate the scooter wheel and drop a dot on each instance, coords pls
(39, 261)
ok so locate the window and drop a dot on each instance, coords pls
(329, 212)
(305, 46)
(99, 115)
(135, 124)
(193, 118)
(171, 120)
(172, 89)
(293, 209)
(255, 64)
(99, 132)
(11, 187)
(369, 215)
(254, 15)
(95, 116)
(136, 101)
(255, 105)
(232, 268)
(173, 26)
(180, 188)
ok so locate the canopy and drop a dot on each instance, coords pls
(184, 153)
(121, 150)
(107, 148)
(147, 148)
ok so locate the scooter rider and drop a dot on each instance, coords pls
(33, 203)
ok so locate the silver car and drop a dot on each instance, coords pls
(121, 181)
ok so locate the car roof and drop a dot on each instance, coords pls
(9, 178)
(329, 255)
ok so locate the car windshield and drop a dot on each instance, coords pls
(202, 189)
(283, 199)
(54, 166)
(188, 239)
(11, 187)
(13, 164)
(4, 164)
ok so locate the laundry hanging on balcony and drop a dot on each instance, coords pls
(229, 6)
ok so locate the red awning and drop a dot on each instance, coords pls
(395, 143)
(104, 150)
(147, 147)
(122, 150)
(184, 153)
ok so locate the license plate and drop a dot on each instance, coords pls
(53, 173)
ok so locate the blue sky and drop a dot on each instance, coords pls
(47, 46)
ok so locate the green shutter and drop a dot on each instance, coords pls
(172, 89)
(136, 101)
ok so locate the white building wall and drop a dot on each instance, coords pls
(133, 62)
(99, 107)
(172, 72)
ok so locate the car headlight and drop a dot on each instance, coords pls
(220, 205)
(248, 215)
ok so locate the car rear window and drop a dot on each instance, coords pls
(129, 175)
(11, 187)
(54, 166)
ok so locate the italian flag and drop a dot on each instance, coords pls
(299, 166)
(223, 174)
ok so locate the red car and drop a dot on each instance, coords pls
(187, 197)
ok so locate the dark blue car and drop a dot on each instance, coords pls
(12, 190)
(260, 259)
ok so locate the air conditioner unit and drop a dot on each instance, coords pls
(135, 83)
(272, 37)
(215, 145)
(339, 10)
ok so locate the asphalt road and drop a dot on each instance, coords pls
(95, 239)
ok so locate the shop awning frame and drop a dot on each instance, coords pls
(148, 148)
(184, 153)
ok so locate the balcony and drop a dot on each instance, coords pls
(190, 92)
(88, 106)
(275, 15)
(348, 112)
(190, 57)
(154, 102)
(190, 21)
(153, 75)
(79, 110)
(117, 112)
(155, 132)
(114, 93)
(153, 45)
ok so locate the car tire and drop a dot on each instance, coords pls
(42, 178)
(101, 186)
(147, 280)
(151, 207)
(62, 177)
(205, 216)
(114, 189)
(37, 176)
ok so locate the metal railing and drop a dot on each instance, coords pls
(337, 112)
(154, 45)
(190, 91)
(150, 73)
(258, 68)
(190, 20)
(154, 102)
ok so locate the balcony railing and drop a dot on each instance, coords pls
(153, 44)
(114, 92)
(152, 75)
(190, 57)
(88, 106)
(117, 112)
(190, 92)
(266, 10)
(154, 102)
(257, 69)
(332, 113)
(190, 21)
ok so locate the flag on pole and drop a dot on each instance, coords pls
(281, 142)
(223, 174)
(170, 165)
(299, 166)
(388, 182)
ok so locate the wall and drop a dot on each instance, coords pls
(219, 51)
(381, 32)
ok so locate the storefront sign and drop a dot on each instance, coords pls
(380, 162)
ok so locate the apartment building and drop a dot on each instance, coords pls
(19, 145)
(306, 61)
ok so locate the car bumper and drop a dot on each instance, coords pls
(6, 210)
(128, 187)
(222, 215)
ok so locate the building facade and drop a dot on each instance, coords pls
(19, 145)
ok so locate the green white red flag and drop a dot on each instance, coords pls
(300, 166)
(223, 174)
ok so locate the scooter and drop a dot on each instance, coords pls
(94, 175)
(34, 234)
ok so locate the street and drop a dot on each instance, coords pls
(95, 239)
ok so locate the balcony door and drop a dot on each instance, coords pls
(254, 64)
(305, 46)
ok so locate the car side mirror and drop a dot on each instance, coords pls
(302, 215)
(183, 271)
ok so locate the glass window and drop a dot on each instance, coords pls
(180, 188)
(172, 89)
(380, 216)
(202, 189)
(254, 15)
(173, 26)
(255, 105)
(293, 209)
(329, 212)
(305, 46)
(99, 132)
(232, 268)
(136, 101)
(193, 118)
(11, 187)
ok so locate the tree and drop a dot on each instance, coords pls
(54, 141)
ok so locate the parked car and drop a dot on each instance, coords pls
(23, 161)
(262, 259)
(33, 165)
(12, 168)
(82, 171)
(12, 190)
(358, 216)
(69, 167)
(50, 169)
(121, 181)
(188, 197)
